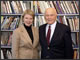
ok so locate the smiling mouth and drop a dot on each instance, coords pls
(28, 23)
(49, 20)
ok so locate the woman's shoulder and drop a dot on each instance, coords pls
(17, 29)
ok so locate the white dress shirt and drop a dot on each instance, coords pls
(52, 29)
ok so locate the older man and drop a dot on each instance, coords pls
(55, 38)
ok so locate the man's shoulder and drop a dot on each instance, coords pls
(63, 27)
(42, 26)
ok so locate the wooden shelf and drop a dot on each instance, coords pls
(13, 30)
(6, 46)
(75, 48)
(38, 14)
(74, 31)
(6, 30)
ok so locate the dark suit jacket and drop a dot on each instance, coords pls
(61, 43)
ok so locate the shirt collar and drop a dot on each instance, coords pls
(52, 25)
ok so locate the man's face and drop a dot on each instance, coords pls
(50, 16)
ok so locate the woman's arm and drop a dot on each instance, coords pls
(15, 45)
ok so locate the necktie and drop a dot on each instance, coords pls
(48, 34)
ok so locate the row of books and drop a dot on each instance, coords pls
(14, 6)
(72, 21)
(62, 7)
(67, 7)
(12, 22)
(9, 22)
(6, 54)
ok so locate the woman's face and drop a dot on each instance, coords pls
(28, 20)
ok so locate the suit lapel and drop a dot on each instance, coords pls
(55, 33)
(26, 35)
(44, 34)
(34, 36)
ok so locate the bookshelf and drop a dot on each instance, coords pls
(7, 47)
(66, 10)
(39, 14)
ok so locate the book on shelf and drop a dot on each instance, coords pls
(67, 7)
(51, 4)
(6, 38)
(10, 40)
(14, 6)
(4, 22)
(10, 23)
(2, 19)
(76, 20)
(76, 6)
(59, 19)
(9, 54)
(73, 35)
(35, 9)
(2, 56)
(59, 7)
(76, 54)
(22, 5)
(55, 6)
(77, 38)
(64, 20)
(3, 7)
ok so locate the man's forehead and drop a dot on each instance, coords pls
(50, 10)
